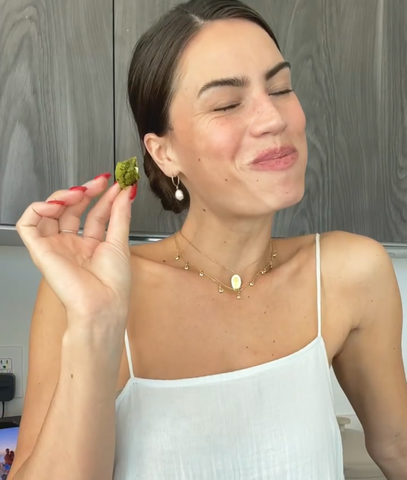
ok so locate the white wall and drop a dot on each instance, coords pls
(18, 288)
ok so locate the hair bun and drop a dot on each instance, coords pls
(162, 187)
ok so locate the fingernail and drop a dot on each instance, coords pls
(105, 175)
(133, 191)
(115, 182)
(80, 188)
(56, 202)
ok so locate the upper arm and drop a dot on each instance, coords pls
(370, 366)
(47, 329)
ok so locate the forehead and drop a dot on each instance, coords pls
(226, 48)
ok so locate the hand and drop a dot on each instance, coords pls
(90, 274)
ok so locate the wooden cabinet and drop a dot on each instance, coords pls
(64, 115)
(350, 73)
(56, 98)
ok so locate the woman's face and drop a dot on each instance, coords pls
(230, 108)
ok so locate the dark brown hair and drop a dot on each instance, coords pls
(152, 71)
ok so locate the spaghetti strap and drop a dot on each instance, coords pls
(128, 352)
(318, 272)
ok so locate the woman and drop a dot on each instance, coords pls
(224, 371)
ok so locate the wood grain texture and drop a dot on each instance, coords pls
(350, 73)
(56, 98)
(349, 69)
(132, 19)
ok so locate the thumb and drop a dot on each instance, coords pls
(120, 218)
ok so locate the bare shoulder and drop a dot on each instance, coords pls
(157, 252)
(364, 260)
(361, 266)
(358, 253)
(151, 262)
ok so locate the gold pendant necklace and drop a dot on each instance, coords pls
(236, 279)
(221, 286)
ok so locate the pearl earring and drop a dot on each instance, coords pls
(179, 195)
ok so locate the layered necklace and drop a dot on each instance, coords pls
(236, 284)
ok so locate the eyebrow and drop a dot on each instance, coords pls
(242, 81)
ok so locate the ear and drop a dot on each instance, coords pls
(161, 152)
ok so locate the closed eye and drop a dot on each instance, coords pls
(228, 107)
(282, 92)
(234, 105)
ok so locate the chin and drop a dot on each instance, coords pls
(286, 199)
(292, 199)
(270, 205)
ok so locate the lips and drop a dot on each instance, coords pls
(275, 159)
(274, 154)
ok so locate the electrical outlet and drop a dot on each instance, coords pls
(6, 365)
(11, 358)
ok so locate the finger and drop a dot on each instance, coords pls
(77, 199)
(50, 226)
(119, 225)
(28, 224)
(98, 217)
(71, 217)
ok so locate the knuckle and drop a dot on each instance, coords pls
(98, 218)
(56, 194)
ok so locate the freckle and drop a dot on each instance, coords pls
(257, 180)
(265, 313)
(199, 159)
(274, 341)
(164, 261)
(71, 375)
(247, 346)
(203, 210)
(273, 355)
(226, 180)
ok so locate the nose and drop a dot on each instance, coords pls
(266, 118)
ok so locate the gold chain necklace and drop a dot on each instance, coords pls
(236, 279)
(221, 286)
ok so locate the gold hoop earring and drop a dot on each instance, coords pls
(179, 194)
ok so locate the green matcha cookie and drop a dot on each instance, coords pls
(127, 172)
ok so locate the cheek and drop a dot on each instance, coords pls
(297, 120)
(221, 138)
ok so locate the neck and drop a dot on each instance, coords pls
(242, 245)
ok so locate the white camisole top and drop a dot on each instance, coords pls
(274, 421)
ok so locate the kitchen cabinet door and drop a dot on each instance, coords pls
(350, 73)
(56, 98)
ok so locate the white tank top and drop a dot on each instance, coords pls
(274, 421)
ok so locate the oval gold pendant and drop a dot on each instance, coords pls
(236, 282)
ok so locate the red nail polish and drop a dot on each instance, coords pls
(80, 188)
(56, 202)
(115, 182)
(133, 191)
(106, 175)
